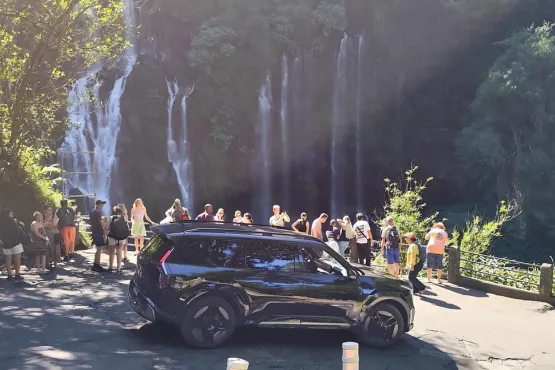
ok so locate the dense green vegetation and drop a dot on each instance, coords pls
(44, 45)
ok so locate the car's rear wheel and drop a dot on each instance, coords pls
(208, 323)
(382, 326)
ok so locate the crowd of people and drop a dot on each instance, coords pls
(53, 235)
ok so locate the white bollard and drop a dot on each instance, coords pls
(237, 364)
(350, 356)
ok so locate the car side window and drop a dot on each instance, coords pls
(271, 256)
(312, 263)
(210, 253)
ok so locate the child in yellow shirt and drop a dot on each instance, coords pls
(415, 262)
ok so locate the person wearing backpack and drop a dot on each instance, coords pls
(68, 229)
(391, 247)
(117, 237)
(416, 256)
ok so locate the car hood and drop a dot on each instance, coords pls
(381, 279)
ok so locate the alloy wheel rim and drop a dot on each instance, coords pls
(383, 326)
(210, 325)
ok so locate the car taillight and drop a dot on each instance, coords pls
(163, 269)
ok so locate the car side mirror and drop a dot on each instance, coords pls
(352, 274)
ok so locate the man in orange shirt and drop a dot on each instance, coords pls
(437, 239)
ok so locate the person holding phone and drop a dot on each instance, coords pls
(279, 219)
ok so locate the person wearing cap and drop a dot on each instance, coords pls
(207, 214)
(415, 263)
(279, 219)
(437, 240)
(301, 225)
(68, 230)
(98, 233)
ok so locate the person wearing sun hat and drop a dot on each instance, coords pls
(437, 240)
(415, 262)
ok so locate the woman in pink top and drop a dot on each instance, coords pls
(437, 239)
(138, 230)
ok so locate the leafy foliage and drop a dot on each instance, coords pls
(44, 45)
(509, 144)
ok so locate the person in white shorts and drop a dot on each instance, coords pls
(11, 241)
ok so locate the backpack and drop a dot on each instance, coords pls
(66, 217)
(393, 238)
(422, 252)
(119, 229)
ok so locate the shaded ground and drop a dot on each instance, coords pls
(81, 320)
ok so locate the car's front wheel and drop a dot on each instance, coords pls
(208, 323)
(382, 326)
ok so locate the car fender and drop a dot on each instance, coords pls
(386, 297)
(225, 291)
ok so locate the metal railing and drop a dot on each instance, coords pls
(499, 270)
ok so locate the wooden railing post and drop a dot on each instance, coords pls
(454, 268)
(546, 282)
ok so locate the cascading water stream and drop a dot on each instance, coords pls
(178, 146)
(263, 192)
(285, 130)
(338, 131)
(98, 135)
(358, 153)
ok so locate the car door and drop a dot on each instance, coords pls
(332, 291)
(274, 287)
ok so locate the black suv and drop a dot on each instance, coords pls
(209, 278)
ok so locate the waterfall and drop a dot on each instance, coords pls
(338, 132)
(178, 146)
(98, 134)
(285, 131)
(358, 153)
(263, 192)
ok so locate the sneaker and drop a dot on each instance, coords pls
(110, 270)
(125, 259)
(18, 278)
(97, 268)
(66, 259)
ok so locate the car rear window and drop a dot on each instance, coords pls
(209, 253)
(157, 247)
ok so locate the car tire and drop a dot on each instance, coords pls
(382, 326)
(208, 323)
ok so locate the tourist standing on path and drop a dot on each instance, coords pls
(50, 223)
(364, 240)
(347, 234)
(237, 217)
(415, 262)
(247, 219)
(124, 243)
(301, 225)
(12, 246)
(220, 215)
(391, 247)
(279, 219)
(98, 233)
(68, 230)
(179, 213)
(119, 232)
(138, 229)
(207, 214)
(333, 236)
(317, 226)
(40, 243)
(437, 239)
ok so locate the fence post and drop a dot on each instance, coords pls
(546, 282)
(454, 268)
(350, 356)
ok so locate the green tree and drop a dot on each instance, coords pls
(44, 46)
(508, 146)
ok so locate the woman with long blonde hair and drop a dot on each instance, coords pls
(138, 230)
